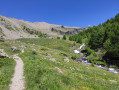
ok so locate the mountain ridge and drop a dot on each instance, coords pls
(13, 28)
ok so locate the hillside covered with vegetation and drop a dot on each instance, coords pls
(46, 67)
(49, 62)
(102, 41)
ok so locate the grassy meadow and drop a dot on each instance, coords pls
(41, 73)
(45, 68)
(6, 72)
(7, 65)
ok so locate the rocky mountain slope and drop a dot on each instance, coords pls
(11, 28)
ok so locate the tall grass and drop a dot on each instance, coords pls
(50, 43)
(43, 74)
(6, 72)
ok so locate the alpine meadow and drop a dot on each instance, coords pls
(59, 45)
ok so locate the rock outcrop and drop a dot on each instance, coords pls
(66, 59)
(13, 48)
(46, 54)
(52, 59)
(70, 31)
(3, 54)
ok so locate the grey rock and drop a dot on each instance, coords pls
(3, 54)
(70, 32)
(46, 54)
(78, 60)
(52, 59)
(13, 48)
(22, 51)
(66, 59)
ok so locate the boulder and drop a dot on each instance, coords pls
(52, 59)
(13, 48)
(78, 60)
(22, 51)
(3, 54)
(66, 59)
(46, 54)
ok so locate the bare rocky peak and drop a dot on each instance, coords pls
(11, 28)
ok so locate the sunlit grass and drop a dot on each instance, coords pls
(6, 72)
(43, 74)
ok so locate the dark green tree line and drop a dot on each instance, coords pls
(104, 36)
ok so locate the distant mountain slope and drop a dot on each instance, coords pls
(11, 28)
(102, 41)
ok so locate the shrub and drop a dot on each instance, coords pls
(88, 51)
(92, 63)
(112, 57)
(58, 37)
(34, 52)
(73, 57)
(74, 44)
(2, 40)
(44, 49)
(64, 37)
(64, 54)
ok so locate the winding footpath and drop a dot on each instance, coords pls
(18, 78)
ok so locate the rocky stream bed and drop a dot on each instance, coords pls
(83, 59)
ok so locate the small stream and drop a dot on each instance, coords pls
(83, 59)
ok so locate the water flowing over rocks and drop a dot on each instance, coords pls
(83, 45)
(76, 51)
(83, 59)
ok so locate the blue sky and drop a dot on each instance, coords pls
(77, 13)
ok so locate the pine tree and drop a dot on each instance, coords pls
(64, 37)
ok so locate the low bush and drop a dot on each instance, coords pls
(73, 57)
(34, 52)
(58, 37)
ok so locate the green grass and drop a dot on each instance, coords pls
(51, 43)
(7, 65)
(6, 72)
(43, 74)
(8, 44)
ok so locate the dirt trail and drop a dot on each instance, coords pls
(18, 78)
